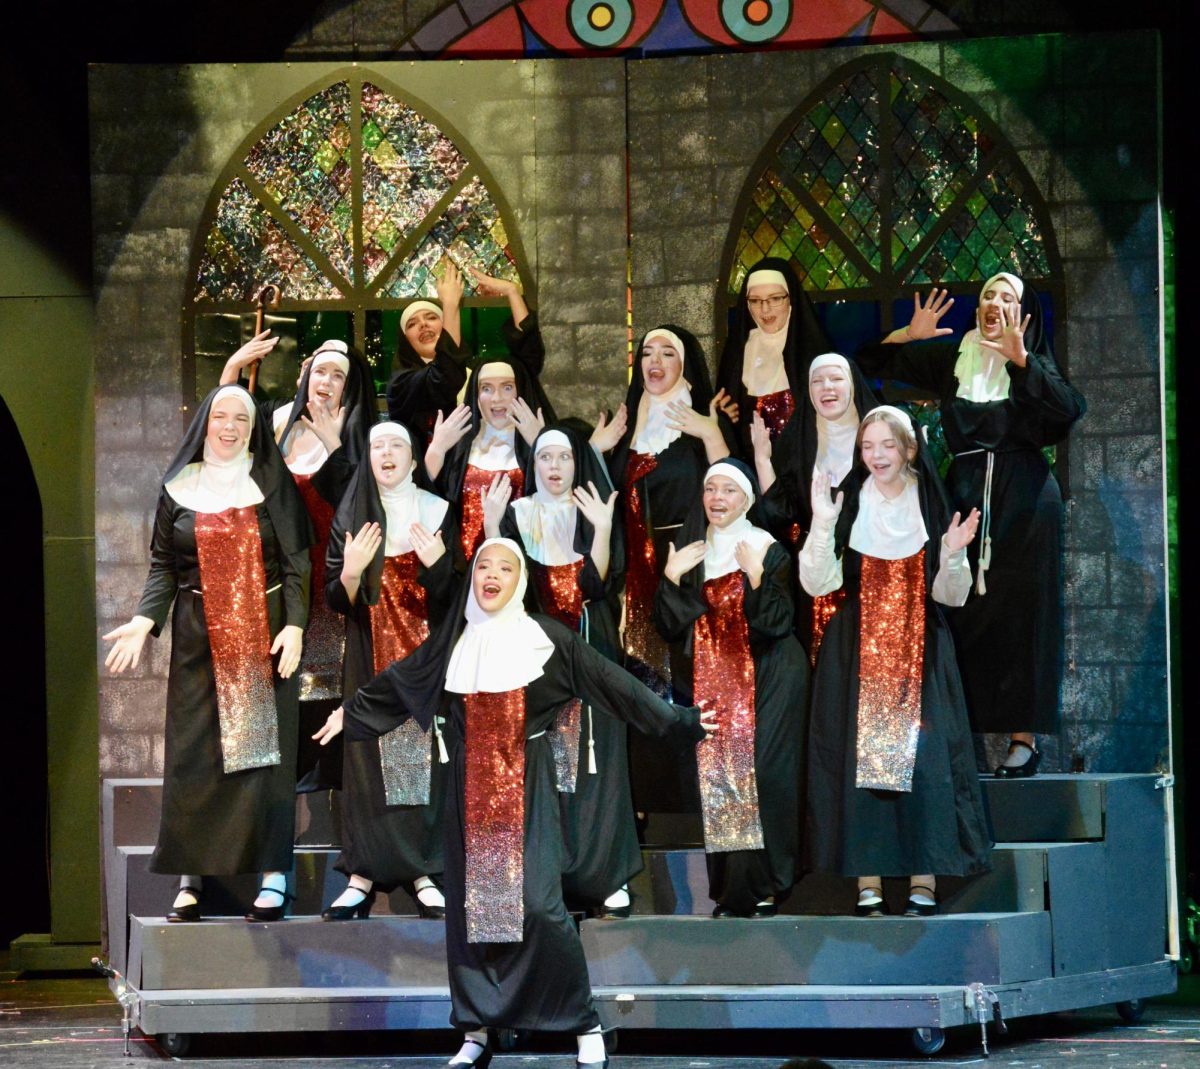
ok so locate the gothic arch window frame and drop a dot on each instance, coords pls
(886, 286)
(358, 297)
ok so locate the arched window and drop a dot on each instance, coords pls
(347, 201)
(885, 180)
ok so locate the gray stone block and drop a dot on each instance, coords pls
(1140, 694)
(1136, 460)
(1100, 636)
(1086, 576)
(1119, 405)
(1135, 583)
(1087, 692)
(123, 755)
(132, 705)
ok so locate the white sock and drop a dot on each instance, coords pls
(619, 899)
(188, 895)
(353, 895)
(1019, 754)
(869, 896)
(474, 1044)
(272, 891)
(428, 893)
(591, 1046)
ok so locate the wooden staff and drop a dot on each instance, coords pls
(268, 297)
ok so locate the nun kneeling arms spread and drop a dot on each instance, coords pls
(514, 956)
(230, 553)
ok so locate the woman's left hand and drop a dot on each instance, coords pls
(960, 535)
(597, 511)
(708, 721)
(607, 434)
(487, 286)
(429, 547)
(750, 560)
(495, 500)
(723, 402)
(325, 424)
(331, 728)
(682, 417)
(528, 423)
(288, 644)
(1011, 345)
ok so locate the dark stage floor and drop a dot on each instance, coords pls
(75, 1024)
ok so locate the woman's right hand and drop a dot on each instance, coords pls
(253, 351)
(926, 317)
(449, 285)
(825, 510)
(361, 549)
(128, 640)
(681, 561)
(495, 500)
(607, 435)
(449, 430)
(331, 728)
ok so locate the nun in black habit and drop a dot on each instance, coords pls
(515, 960)
(230, 554)
(1003, 400)
(726, 598)
(391, 576)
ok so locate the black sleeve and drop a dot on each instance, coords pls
(297, 575)
(162, 580)
(1039, 384)
(785, 503)
(334, 476)
(676, 609)
(335, 556)
(770, 610)
(441, 581)
(928, 365)
(433, 387)
(377, 707)
(525, 343)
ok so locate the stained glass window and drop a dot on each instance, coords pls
(888, 180)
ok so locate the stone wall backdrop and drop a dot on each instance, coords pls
(1082, 113)
(551, 134)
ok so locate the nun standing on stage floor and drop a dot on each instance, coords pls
(514, 956)
(774, 335)
(726, 596)
(892, 786)
(230, 553)
(576, 560)
(322, 433)
(1003, 400)
(391, 577)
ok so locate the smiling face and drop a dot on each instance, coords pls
(495, 577)
(829, 390)
(391, 460)
(662, 366)
(422, 331)
(228, 428)
(724, 500)
(769, 306)
(997, 297)
(326, 384)
(886, 451)
(497, 392)
(555, 466)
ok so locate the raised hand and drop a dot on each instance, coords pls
(607, 435)
(723, 402)
(825, 510)
(487, 286)
(1011, 345)
(681, 561)
(529, 424)
(449, 430)
(495, 500)
(960, 535)
(331, 728)
(760, 439)
(449, 285)
(927, 316)
(288, 644)
(597, 511)
(253, 351)
(750, 560)
(430, 548)
(361, 549)
(682, 417)
(128, 640)
(326, 425)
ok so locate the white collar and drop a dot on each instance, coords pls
(889, 528)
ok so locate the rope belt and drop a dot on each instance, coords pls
(985, 553)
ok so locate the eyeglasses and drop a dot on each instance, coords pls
(767, 304)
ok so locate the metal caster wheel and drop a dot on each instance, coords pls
(927, 1040)
(176, 1044)
(1131, 1012)
(506, 1039)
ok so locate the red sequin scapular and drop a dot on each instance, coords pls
(723, 679)
(642, 639)
(891, 657)
(475, 480)
(776, 409)
(399, 624)
(233, 584)
(823, 608)
(495, 816)
(325, 635)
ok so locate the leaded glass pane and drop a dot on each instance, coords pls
(303, 162)
(246, 249)
(470, 231)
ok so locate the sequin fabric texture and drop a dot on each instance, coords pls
(495, 816)
(724, 680)
(890, 661)
(776, 409)
(325, 636)
(399, 624)
(642, 639)
(823, 608)
(233, 582)
(560, 596)
(476, 480)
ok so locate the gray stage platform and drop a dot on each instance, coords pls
(1072, 915)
